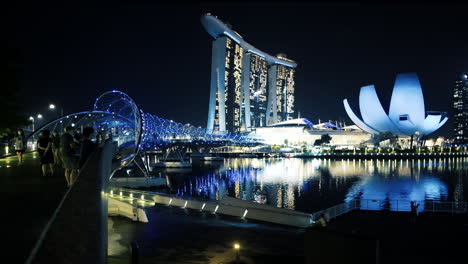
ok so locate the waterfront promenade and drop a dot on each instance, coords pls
(29, 200)
(178, 235)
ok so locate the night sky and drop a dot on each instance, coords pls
(160, 54)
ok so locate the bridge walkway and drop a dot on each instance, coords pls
(29, 200)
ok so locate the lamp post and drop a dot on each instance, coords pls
(39, 116)
(237, 248)
(32, 119)
(52, 107)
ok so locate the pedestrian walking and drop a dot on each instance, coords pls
(68, 148)
(19, 142)
(56, 148)
(88, 146)
(44, 147)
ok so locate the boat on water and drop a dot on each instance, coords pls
(213, 158)
(206, 157)
(173, 164)
(247, 155)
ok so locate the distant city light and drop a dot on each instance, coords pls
(236, 246)
(51, 106)
(39, 116)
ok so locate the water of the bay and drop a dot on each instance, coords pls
(310, 185)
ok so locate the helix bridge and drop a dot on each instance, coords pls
(137, 132)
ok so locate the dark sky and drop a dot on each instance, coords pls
(161, 56)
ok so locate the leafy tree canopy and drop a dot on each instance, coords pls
(12, 116)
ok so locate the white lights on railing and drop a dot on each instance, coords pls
(142, 197)
(245, 213)
(120, 194)
(170, 201)
(111, 192)
(203, 206)
(216, 209)
(185, 205)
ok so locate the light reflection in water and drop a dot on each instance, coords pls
(313, 184)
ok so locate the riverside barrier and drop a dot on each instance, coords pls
(77, 230)
(383, 155)
(226, 206)
(266, 213)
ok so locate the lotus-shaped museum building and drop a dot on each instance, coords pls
(406, 116)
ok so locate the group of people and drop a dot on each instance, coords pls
(69, 150)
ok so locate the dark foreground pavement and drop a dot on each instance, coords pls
(176, 235)
(428, 238)
(29, 200)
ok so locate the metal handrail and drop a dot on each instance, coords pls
(392, 205)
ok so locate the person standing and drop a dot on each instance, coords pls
(88, 146)
(56, 147)
(67, 154)
(20, 144)
(44, 147)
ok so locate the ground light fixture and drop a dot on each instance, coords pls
(236, 249)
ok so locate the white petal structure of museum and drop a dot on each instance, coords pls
(406, 115)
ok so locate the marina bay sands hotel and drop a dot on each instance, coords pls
(249, 88)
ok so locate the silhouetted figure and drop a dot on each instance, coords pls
(414, 211)
(88, 146)
(19, 142)
(56, 148)
(44, 148)
(68, 148)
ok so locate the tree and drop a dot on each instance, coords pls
(325, 139)
(393, 139)
(11, 105)
(317, 142)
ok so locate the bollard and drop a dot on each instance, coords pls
(135, 253)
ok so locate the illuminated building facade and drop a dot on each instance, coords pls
(282, 79)
(460, 109)
(406, 116)
(257, 90)
(249, 88)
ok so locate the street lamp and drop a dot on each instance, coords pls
(32, 119)
(39, 116)
(52, 107)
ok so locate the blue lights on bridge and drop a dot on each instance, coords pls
(137, 131)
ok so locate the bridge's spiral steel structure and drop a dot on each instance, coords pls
(136, 131)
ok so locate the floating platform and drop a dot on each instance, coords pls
(172, 164)
(213, 159)
(137, 182)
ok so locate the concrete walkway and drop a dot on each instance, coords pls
(29, 199)
(427, 238)
(178, 235)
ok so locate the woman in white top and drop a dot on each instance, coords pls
(20, 144)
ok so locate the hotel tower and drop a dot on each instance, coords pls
(249, 88)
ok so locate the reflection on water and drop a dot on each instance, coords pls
(314, 184)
